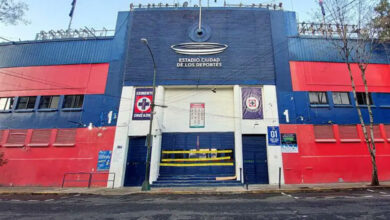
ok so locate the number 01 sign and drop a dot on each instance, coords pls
(273, 136)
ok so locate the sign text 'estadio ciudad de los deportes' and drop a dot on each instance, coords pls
(199, 62)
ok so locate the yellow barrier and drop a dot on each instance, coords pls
(195, 159)
(194, 164)
(197, 152)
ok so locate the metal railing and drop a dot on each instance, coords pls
(89, 180)
(83, 33)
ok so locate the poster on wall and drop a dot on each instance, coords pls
(273, 136)
(143, 103)
(289, 143)
(197, 115)
(104, 160)
(252, 105)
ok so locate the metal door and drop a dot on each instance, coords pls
(136, 161)
(255, 159)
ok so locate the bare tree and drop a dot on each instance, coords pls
(12, 12)
(356, 45)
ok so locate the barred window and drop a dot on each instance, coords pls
(349, 133)
(40, 138)
(65, 138)
(324, 133)
(16, 138)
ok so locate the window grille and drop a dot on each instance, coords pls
(324, 133)
(40, 138)
(16, 138)
(377, 133)
(65, 138)
(349, 133)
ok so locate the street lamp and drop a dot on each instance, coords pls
(145, 184)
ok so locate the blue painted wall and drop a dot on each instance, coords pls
(247, 32)
(96, 107)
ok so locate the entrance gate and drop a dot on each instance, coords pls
(197, 154)
(255, 159)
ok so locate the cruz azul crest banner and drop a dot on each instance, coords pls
(142, 103)
(252, 104)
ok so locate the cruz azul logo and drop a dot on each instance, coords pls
(252, 103)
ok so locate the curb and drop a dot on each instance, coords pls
(187, 192)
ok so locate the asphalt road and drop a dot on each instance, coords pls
(358, 204)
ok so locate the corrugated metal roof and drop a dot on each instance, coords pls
(55, 52)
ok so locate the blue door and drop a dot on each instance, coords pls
(255, 159)
(136, 161)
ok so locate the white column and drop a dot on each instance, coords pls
(121, 141)
(274, 153)
(238, 131)
(157, 135)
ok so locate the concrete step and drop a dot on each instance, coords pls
(215, 184)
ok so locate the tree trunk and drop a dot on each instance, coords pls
(371, 146)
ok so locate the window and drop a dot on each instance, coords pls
(387, 129)
(49, 102)
(27, 102)
(40, 138)
(318, 98)
(324, 133)
(73, 101)
(341, 98)
(377, 133)
(6, 103)
(16, 138)
(361, 98)
(349, 133)
(65, 138)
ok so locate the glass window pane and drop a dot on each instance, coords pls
(318, 98)
(73, 101)
(54, 101)
(31, 102)
(45, 102)
(341, 98)
(313, 98)
(22, 103)
(3, 103)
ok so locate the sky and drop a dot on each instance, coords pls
(53, 14)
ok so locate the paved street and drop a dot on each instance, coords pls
(351, 204)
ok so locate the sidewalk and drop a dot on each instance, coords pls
(192, 190)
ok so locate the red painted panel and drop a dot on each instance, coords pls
(323, 76)
(324, 162)
(45, 166)
(53, 80)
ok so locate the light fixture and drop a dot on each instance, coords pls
(90, 126)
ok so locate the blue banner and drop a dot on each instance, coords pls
(252, 104)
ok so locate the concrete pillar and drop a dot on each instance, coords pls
(238, 131)
(121, 141)
(157, 135)
(274, 153)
